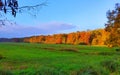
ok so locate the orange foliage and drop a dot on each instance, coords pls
(94, 37)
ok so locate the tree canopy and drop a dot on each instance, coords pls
(113, 26)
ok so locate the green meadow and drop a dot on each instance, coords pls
(58, 59)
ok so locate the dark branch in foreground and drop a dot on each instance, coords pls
(11, 6)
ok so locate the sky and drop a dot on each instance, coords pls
(59, 16)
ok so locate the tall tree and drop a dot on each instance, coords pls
(113, 26)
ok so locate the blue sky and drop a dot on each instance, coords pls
(60, 16)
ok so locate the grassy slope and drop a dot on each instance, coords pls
(59, 58)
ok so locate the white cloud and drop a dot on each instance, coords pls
(11, 31)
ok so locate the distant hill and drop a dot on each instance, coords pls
(5, 40)
(11, 40)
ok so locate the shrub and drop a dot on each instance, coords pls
(112, 66)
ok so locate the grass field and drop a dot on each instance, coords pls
(49, 59)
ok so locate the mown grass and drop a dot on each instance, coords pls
(56, 59)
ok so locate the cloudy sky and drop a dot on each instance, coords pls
(59, 16)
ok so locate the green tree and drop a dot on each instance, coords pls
(113, 26)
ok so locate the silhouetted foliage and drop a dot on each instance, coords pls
(12, 6)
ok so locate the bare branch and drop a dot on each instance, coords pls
(11, 6)
(41, 4)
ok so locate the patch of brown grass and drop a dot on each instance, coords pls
(23, 67)
(69, 49)
(49, 48)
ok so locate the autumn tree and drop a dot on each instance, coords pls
(113, 26)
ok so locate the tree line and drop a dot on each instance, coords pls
(91, 37)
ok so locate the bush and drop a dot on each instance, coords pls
(112, 66)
